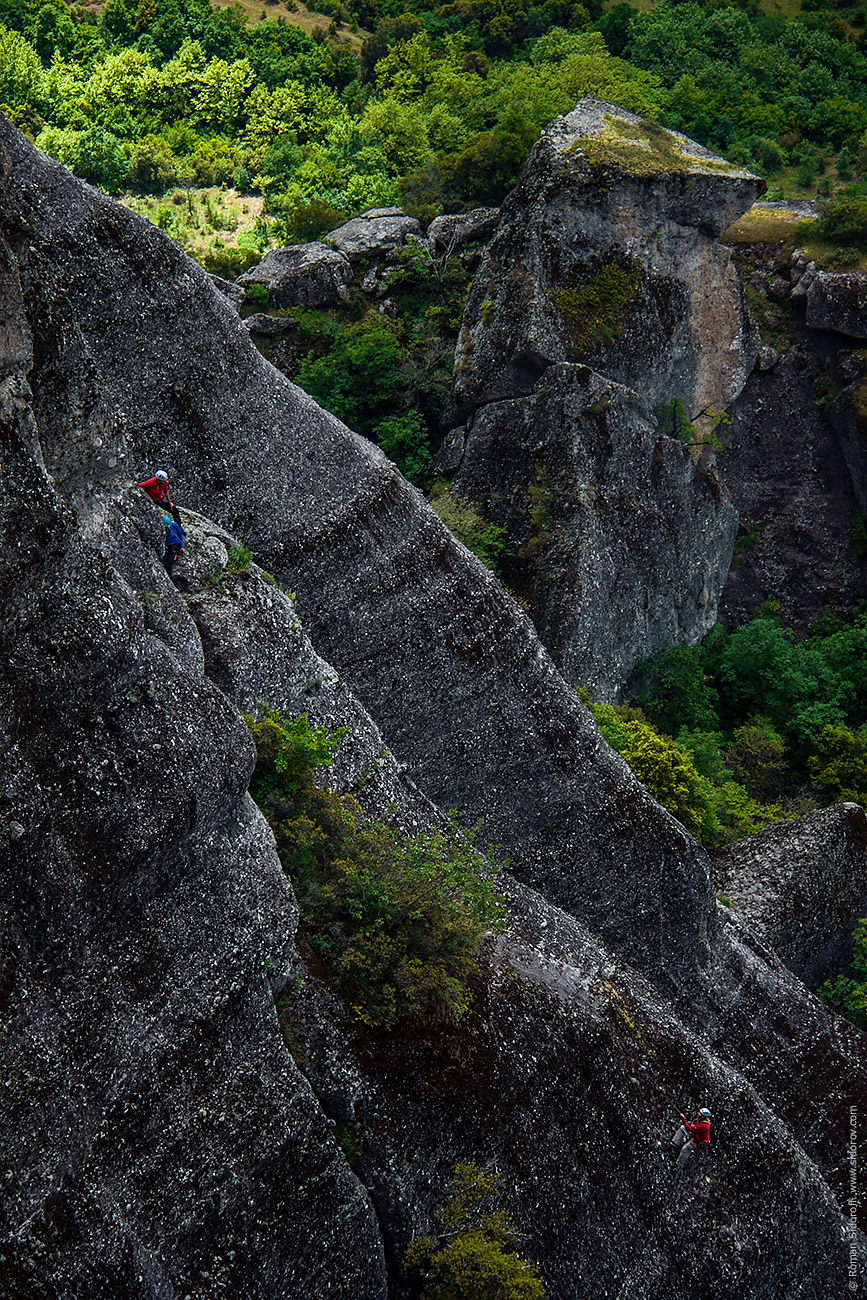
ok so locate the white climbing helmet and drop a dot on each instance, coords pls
(162, 476)
(704, 1112)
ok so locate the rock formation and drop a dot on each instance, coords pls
(788, 467)
(837, 300)
(628, 541)
(605, 254)
(801, 886)
(604, 264)
(166, 1145)
(303, 275)
(373, 234)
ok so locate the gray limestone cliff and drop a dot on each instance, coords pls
(165, 1142)
(604, 297)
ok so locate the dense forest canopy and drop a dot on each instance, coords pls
(433, 106)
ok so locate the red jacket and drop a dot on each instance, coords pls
(156, 489)
(698, 1131)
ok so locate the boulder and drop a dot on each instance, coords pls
(448, 233)
(605, 253)
(802, 886)
(627, 540)
(374, 234)
(767, 358)
(233, 293)
(269, 327)
(305, 275)
(837, 300)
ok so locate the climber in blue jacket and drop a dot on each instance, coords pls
(174, 543)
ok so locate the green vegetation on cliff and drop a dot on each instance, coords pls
(474, 1255)
(397, 919)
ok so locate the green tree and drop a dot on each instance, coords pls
(848, 993)
(474, 1255)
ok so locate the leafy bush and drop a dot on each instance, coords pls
(474, 1256)
(404, 439)
(257, 295)
(845, 222)
(240, 558)
(484, 539)
(396, 918)
(360, 379)
(846, 994)
(661, 765)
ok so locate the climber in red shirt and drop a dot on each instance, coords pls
(691, 1136)
(157, 489)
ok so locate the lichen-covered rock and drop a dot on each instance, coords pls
(374, 234)
(801, 886)
(257, 652)
(267, 326)
(849, 420)
(447, 233)
(626, 539)
(304, 275)
(569, 1086)
(605, 253)
(211, 1169)
(837, 300)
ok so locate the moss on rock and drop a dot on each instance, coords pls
(595, 313)
(643, 149)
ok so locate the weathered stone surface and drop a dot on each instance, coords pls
(849, 419)
(783, 468)
(443, 659)
(452, 231)
(801, 886)
(627, 541)
(575, 1057)
(305, 275)
(158, 1138)
(837, 300)
(270, 327)
(374, 234)
(605, 254)
(767, 358)
(139, 362)
(257, 652)
(234, 293)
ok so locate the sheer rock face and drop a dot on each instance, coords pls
(628, 539)
(569, 1086)
(605, 253)
(305, 275)
(801, 886)
(257, 652)
(183, 1153)
(145, 361)
(849, 418)
(155, 1130)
